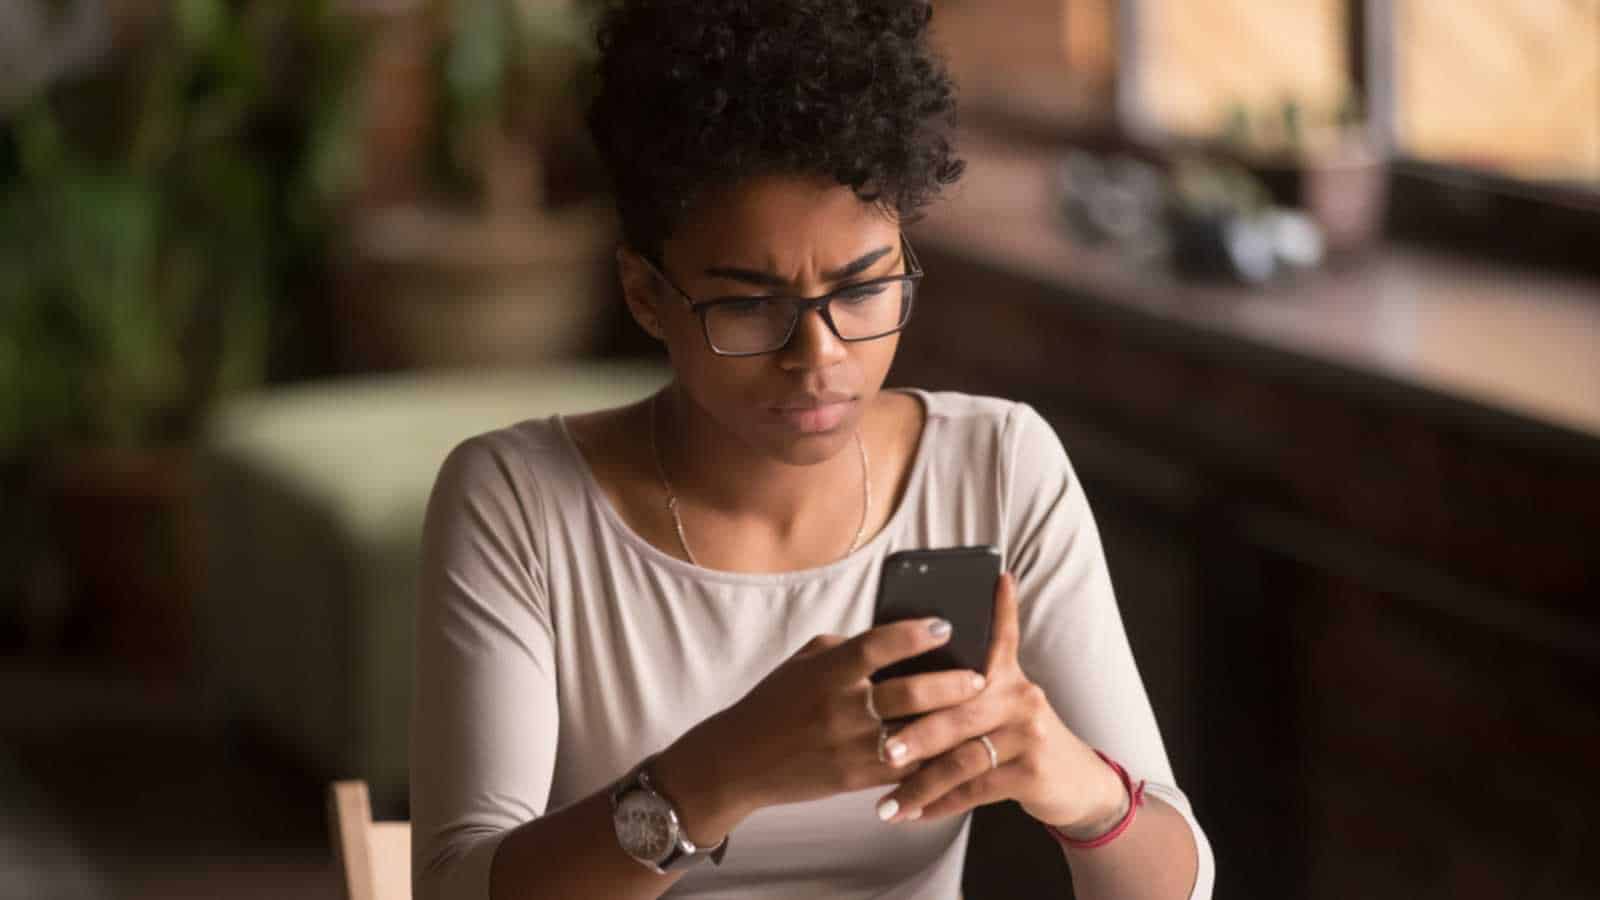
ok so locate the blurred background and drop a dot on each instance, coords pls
(1310, 289)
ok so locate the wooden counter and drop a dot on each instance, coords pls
(1496, 339)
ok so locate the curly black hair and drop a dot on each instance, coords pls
(698, 94)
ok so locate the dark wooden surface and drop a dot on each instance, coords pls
(1352, 522)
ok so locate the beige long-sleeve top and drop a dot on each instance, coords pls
(556, 648)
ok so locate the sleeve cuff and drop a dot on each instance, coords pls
(1205, 875)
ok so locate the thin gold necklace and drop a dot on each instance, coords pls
(672, 498)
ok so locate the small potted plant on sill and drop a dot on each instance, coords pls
(1327, 164)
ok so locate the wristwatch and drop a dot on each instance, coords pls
(649, 828)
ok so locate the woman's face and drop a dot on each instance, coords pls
(790, 236)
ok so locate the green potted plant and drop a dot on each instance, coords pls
(1324, 161)
(152, 209)
(504, 260)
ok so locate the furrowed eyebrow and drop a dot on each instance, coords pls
(857, 267)
(749, 276)
(767, 279)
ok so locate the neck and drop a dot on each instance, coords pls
(711, 468)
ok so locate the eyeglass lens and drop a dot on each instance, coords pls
(761, 324)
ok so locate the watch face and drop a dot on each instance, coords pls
(645, 825)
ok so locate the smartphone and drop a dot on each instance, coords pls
(954, 583)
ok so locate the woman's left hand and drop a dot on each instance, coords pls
(1042, 765)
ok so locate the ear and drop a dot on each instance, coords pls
(640, 291)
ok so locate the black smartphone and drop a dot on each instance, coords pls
(954, 583)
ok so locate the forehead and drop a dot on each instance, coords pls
(784, 224)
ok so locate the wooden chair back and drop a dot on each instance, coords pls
(373, 857)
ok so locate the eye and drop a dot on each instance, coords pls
(860, 293)
(749, 306)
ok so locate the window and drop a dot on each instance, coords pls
(1488, 110)
(1501, 86)
(1205, 68)
(1509, 88)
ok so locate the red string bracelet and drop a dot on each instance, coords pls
(1135, 798)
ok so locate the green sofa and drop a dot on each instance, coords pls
(311, 501)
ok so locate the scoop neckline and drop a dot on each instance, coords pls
(598, 496)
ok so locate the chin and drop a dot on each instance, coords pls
(818, 447)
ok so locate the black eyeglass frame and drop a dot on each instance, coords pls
(802, 305)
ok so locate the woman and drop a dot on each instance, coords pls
(644, 638)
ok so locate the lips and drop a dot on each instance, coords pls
(812, 401)
(814, 413)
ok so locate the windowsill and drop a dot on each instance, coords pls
(1489, 337)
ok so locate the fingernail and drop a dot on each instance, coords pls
(978, 682)
(887, 807)
(912, 816)
(939, 627)
(897, 751)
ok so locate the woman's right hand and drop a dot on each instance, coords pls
(805, 731)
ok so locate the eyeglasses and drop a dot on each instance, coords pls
(753, 326)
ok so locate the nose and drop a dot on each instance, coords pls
(813, 344)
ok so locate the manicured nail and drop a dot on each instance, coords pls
(939, 627)
(887, 807)
(897, 751)
(912, 816)
(978, 682)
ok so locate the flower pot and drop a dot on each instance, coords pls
(1343, 186)
(1347, 194)
(124, 529)
(434, 289)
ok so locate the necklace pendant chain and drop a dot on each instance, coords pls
(672, 498)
